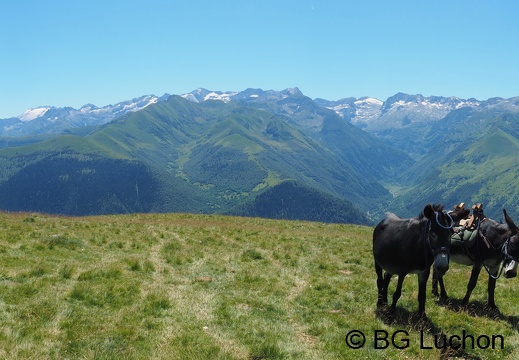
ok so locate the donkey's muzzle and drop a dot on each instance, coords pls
(510, 269)
(441, 262)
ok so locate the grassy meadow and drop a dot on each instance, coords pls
(177, 286)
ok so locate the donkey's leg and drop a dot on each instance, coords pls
(386, 281)
(382, 299)
(438, 279)
(476, 268)
(397, 293)
(443, 292)
(435, 282)
(422, 291)
(491, 287)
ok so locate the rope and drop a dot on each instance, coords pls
(442, 226)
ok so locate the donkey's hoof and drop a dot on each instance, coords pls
(444, 300)
(491, 307)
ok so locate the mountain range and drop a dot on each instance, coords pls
(263, 153)
(53, 120)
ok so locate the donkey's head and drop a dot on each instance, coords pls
(440, 232)
(438, 236)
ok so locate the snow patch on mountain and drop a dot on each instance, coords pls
(357, 111)
(366, 109)
(225, 97)
(54, 120)
(32, 114)
(139, 104)
(371, 114)
(200, 95)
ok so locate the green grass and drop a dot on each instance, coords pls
(175, 286)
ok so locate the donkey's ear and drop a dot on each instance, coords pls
(428, 212)
(510, 223)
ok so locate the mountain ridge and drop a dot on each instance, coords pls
(214, 151)
(370, 114)
(220, 154)
(54, 120)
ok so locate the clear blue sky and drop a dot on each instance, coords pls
(70, 53)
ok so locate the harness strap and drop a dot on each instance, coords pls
(427, 242)
(442, 249)
(478, 246)
(504, 250)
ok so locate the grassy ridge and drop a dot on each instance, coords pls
(174, 286)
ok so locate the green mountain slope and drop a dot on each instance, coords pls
(290, 200)
(373, 158)
(176, 156)
(370, 156)
(231, 151)
(74, 182)
(483, 169)
(216, 157)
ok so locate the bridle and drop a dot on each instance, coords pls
(504, 252)
(443, 226)
(428, 249)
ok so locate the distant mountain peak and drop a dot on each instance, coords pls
(34, 113)
(293, 91)
(201, 94)
(50, 119)
(88, 107)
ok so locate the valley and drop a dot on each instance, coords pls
(226, 153)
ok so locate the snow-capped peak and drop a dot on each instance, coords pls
(140, 103)
(369, 100)
(200, 95)
(32, 114)
(214, 95)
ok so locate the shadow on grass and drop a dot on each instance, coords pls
(480, 309)
(404, 318)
